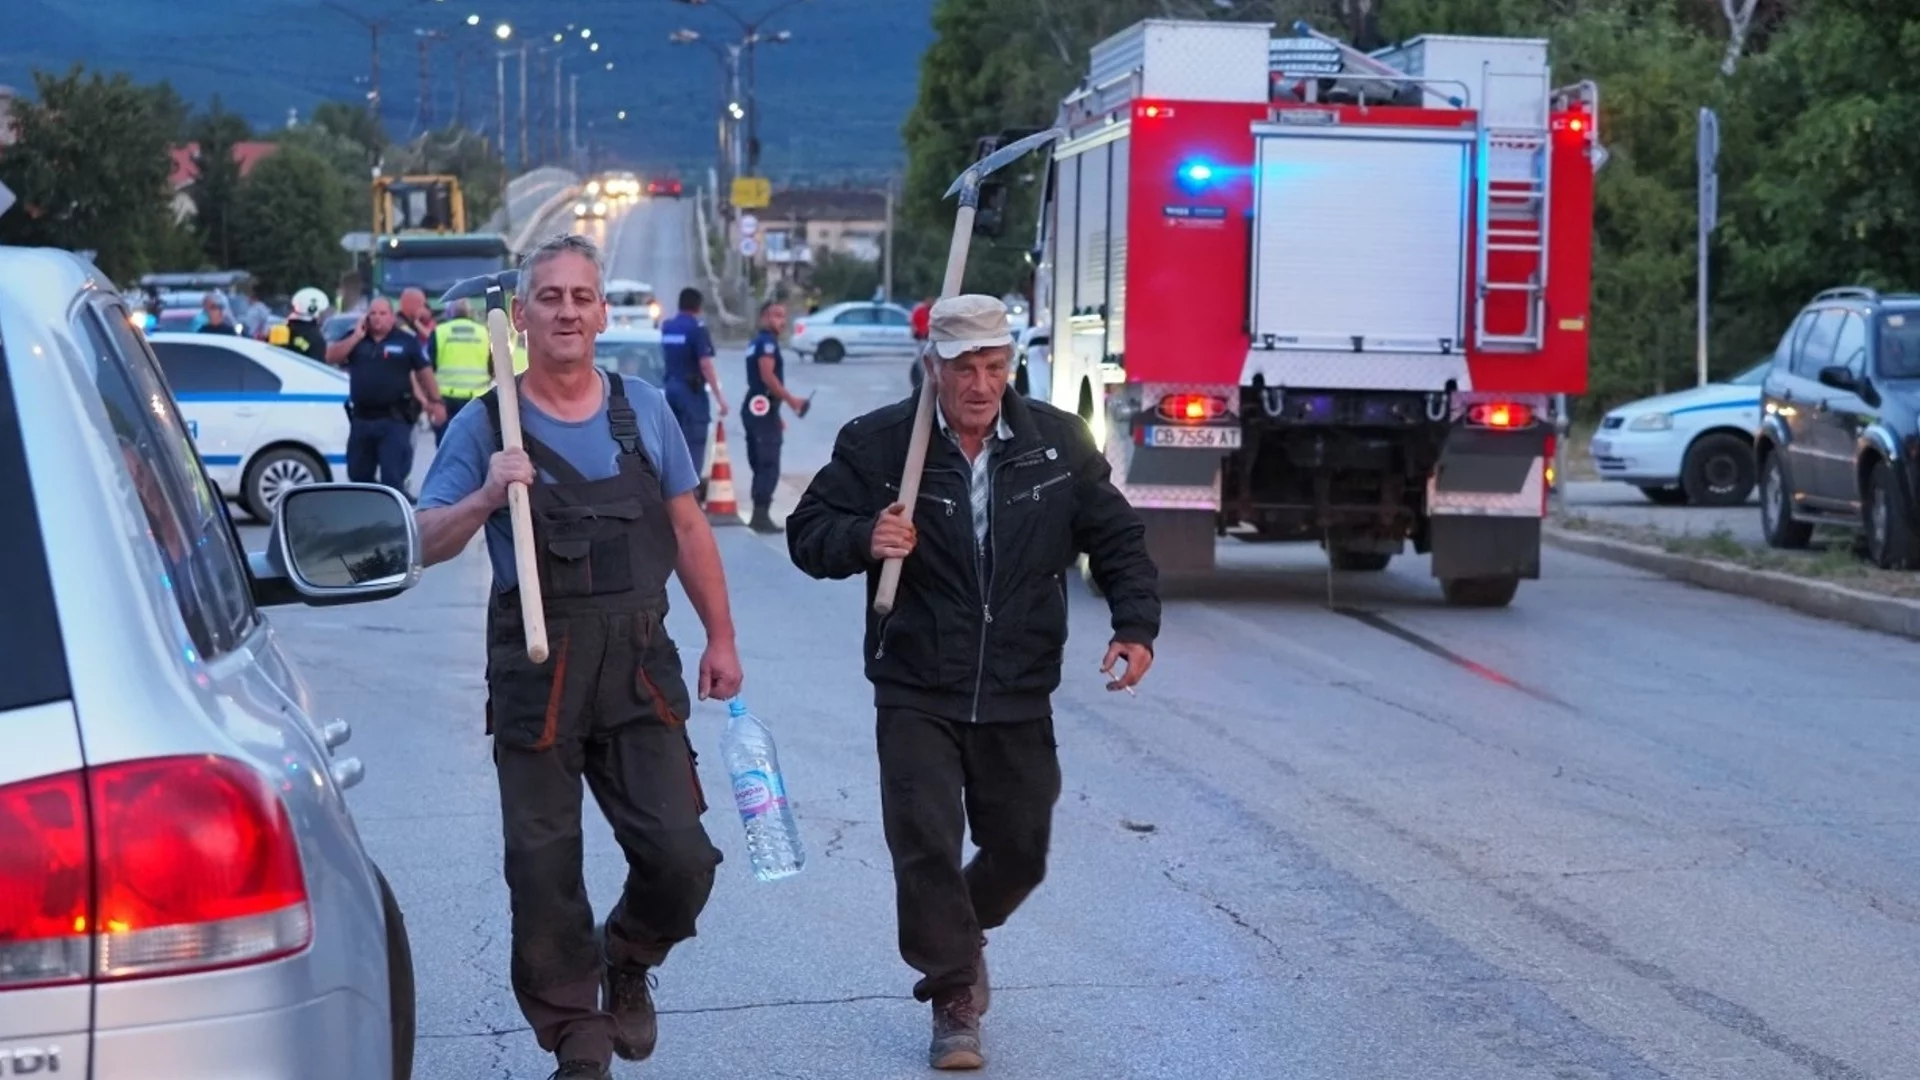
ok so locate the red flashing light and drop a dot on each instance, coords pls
(1501, 414)
(1193, 408)
(1577, 124)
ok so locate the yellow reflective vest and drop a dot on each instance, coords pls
(462, 364)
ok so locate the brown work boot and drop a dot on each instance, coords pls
(956, 1032)
(627, 995)
(982, 992)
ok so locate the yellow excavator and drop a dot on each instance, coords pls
(420, 238)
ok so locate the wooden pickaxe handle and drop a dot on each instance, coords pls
(525, 557)
(923, 415)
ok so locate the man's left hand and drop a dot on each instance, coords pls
(720, 675)
(1138, 657)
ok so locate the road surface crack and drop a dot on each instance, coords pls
(1218, 905)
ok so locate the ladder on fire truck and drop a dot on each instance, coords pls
(1514, 196)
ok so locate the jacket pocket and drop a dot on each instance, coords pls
(526, 702)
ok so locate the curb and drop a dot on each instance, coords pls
(1870, 611)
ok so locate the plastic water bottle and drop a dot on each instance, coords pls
(773, 836)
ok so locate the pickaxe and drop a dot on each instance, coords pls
(967, 185)
(496, 287)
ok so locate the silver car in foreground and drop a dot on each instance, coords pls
(183, 892)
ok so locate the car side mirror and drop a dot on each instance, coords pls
(338, 544)
(1838, 377)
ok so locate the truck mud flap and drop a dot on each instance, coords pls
(1485, 547)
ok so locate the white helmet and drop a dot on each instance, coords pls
(309, 302)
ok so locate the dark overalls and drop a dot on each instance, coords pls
(760, 416)
(610, 703)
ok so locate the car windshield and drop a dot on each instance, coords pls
(641, 359)
(1900, 344)
(434, 274)
(629, 298)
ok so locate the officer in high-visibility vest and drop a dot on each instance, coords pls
(461, 361)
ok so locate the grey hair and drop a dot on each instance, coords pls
(552, 248)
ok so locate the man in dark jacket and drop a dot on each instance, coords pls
(965, 666)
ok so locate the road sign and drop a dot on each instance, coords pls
(752, 192)
(749, 225)
(6, 200)
(749, 246)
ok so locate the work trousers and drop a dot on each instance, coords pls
(381, 445)
(763, 457)
(610, 706)
(939, 778)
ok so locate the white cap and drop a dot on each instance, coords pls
(961, 324)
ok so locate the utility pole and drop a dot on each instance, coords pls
(573, 121)
(523, 106)
(558, 60)
(500, 98)
(373, 98)
(424, 114)
(886, 254)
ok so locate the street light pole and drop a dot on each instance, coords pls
(573, 121)
(523, 106)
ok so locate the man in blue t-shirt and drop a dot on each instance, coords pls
(610, 490)
(688, 350)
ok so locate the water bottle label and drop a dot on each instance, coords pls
(755, 793)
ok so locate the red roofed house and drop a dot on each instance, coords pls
(185, 170)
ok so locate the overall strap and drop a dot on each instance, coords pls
(620, 416)
(543, 456)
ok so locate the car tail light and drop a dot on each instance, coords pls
(187, 864)
(1191, 408)
(1501, 414)
(46, 882)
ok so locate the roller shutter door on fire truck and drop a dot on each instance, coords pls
(1360, 250)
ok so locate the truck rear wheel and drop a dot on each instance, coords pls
(1481, 591)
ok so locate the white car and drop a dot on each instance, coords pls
(860, 328)
(264, 418)
(631, 303)
(1691, 446)
(632, 350)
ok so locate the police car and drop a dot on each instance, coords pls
(264, 419)
(632, 350)
(1692, 446)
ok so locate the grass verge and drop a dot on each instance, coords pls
(1832, 559)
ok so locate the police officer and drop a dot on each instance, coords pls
(303, 324)
(688, 350)
(611, 490)
(462, 363)
(390, 383)
(760, 414)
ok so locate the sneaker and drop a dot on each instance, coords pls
(627, 995)
(581, 1070)
(982, 992)
(956, 1032)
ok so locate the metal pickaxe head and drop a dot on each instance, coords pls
(494, 287)
(967, 184)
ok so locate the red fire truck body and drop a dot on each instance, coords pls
(1290, 311)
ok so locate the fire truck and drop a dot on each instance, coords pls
(1301, 292)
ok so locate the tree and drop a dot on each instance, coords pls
(288, 219)
(347, 166)
(216, 134)
(354, 123)
(838, 276)
(90, 168)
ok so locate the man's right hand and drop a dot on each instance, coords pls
(893, 535)
(507, 467)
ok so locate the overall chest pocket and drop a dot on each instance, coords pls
(588, 550)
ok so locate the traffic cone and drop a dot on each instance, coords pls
(722, 506)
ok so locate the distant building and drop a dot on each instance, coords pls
(803, 222)
(9, 131)
(186, 169)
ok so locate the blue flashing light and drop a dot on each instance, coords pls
(1197, 172)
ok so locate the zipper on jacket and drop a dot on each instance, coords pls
(948, 503)
(1034, 492)
(979, 572)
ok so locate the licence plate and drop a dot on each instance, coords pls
(1601, 447)
(1202, 438)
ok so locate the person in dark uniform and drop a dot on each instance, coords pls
(965, 739)
(760, 412)
(688, 351)
(390, 382)
(611, 490)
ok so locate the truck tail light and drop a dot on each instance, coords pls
(1501, 414)
(185, 864)
(1191, 408)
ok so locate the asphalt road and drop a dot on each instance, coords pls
(1624, 504)
(1624, 829)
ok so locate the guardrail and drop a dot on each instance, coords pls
(519, 241)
